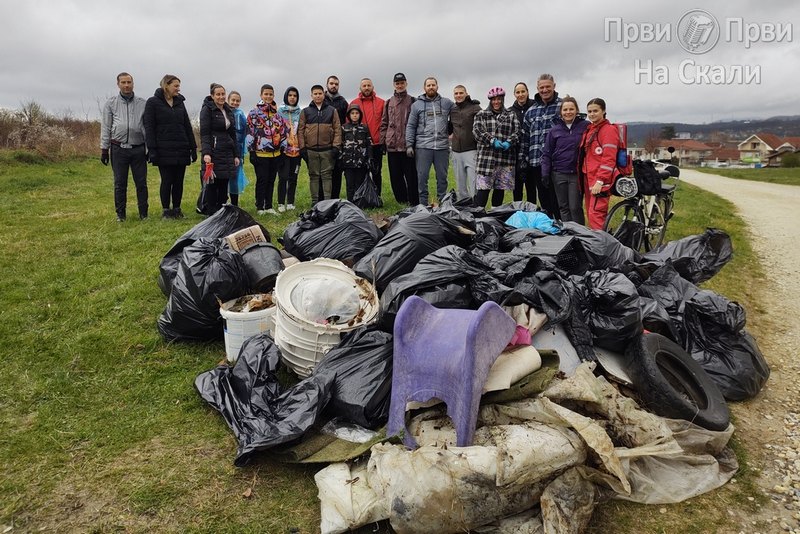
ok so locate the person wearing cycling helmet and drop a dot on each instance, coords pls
(496, 131)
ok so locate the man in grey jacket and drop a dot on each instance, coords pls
(426, 138)
(122, 142)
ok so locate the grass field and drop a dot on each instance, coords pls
(102, 429)
(773, 175)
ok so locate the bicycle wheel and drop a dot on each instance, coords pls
(626, 223)
(655, 228)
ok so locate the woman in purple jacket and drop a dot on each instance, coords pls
(560, 160)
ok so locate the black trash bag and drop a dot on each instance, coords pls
(505, 211)
(610, 304)
(226, 221)
(360, 372)
(450, 201)
(409, 240)
(366, 196)
(711, 328)
(656, 319)
(249, 398)
(333, 228)
(209, 272)
(602, 250)
(516, 236)
(441, 278)
(698, 257)
(490, 233)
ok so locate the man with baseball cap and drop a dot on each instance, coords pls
(402, 168)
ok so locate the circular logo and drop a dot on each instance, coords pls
(697, 31)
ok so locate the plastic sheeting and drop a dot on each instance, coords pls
(335, 229)
(529, 452)
(224, 222)
(712, 329)
(209, 273)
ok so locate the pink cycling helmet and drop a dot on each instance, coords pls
(496, 91)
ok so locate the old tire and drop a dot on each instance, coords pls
(671, 384)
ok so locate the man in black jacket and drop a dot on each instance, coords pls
(333, 98)
(462, 143)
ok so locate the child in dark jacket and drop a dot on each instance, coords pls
(355, 150)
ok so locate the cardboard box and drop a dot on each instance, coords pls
(243, 238)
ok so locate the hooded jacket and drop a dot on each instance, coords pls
(461, 120)
(489, 125)
(394, 120)
(291, 116)
(267, 133)
(339, 103)
(427, 123)
(218, 139)
(371, 111)
(356, 142)
(319, 129)
(561, 145)
(168, 130)
(598, 148)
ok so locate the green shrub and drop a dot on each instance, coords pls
(790, 160)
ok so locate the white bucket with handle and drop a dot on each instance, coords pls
(240, 326)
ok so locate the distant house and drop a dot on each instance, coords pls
(774, 158)
(687, 151)
(758, 147)
(724, 155)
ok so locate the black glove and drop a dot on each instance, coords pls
(194, 155)
(383, 150)
(152, 156)
(104, 156)
(335, 152)
(304, 155)
(546, 180)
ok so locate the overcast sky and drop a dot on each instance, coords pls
(66, 54)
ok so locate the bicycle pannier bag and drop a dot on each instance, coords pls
(647, 177)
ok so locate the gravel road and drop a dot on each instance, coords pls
(769, 425)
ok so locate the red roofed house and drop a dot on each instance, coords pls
(757, 147)
(688, 151)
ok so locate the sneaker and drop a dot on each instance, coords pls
(120, 218)
(262, 212)
(143, 217)
(178, 214)
(271, 211)
(289, 206)
(281, 208)
(167, 214)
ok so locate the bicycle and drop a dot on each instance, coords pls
(640, 220)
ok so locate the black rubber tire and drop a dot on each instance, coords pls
(671, 384)
(621, 212)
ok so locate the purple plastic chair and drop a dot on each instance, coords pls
(447, 354)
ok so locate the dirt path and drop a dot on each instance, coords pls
(768, 425)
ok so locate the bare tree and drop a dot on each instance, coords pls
(652, 142)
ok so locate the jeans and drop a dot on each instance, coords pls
(464, 169)
(440, 159)
(134, 159)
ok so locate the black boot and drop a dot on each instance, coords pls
(168, 214)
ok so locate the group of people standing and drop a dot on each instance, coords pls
(540, 145)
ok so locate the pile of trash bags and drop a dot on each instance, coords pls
(604, 294)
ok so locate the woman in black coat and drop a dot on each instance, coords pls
(170, 142)
(219, 146)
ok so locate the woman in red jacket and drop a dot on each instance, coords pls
(597, 163)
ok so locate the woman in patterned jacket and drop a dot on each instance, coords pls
(496, 130)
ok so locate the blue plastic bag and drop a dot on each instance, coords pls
(532, 219)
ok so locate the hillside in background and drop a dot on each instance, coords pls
(739, 130)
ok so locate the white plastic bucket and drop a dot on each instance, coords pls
(303, 343)
(241, 326)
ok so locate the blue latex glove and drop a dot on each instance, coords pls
(496, 143)
(506, 145)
